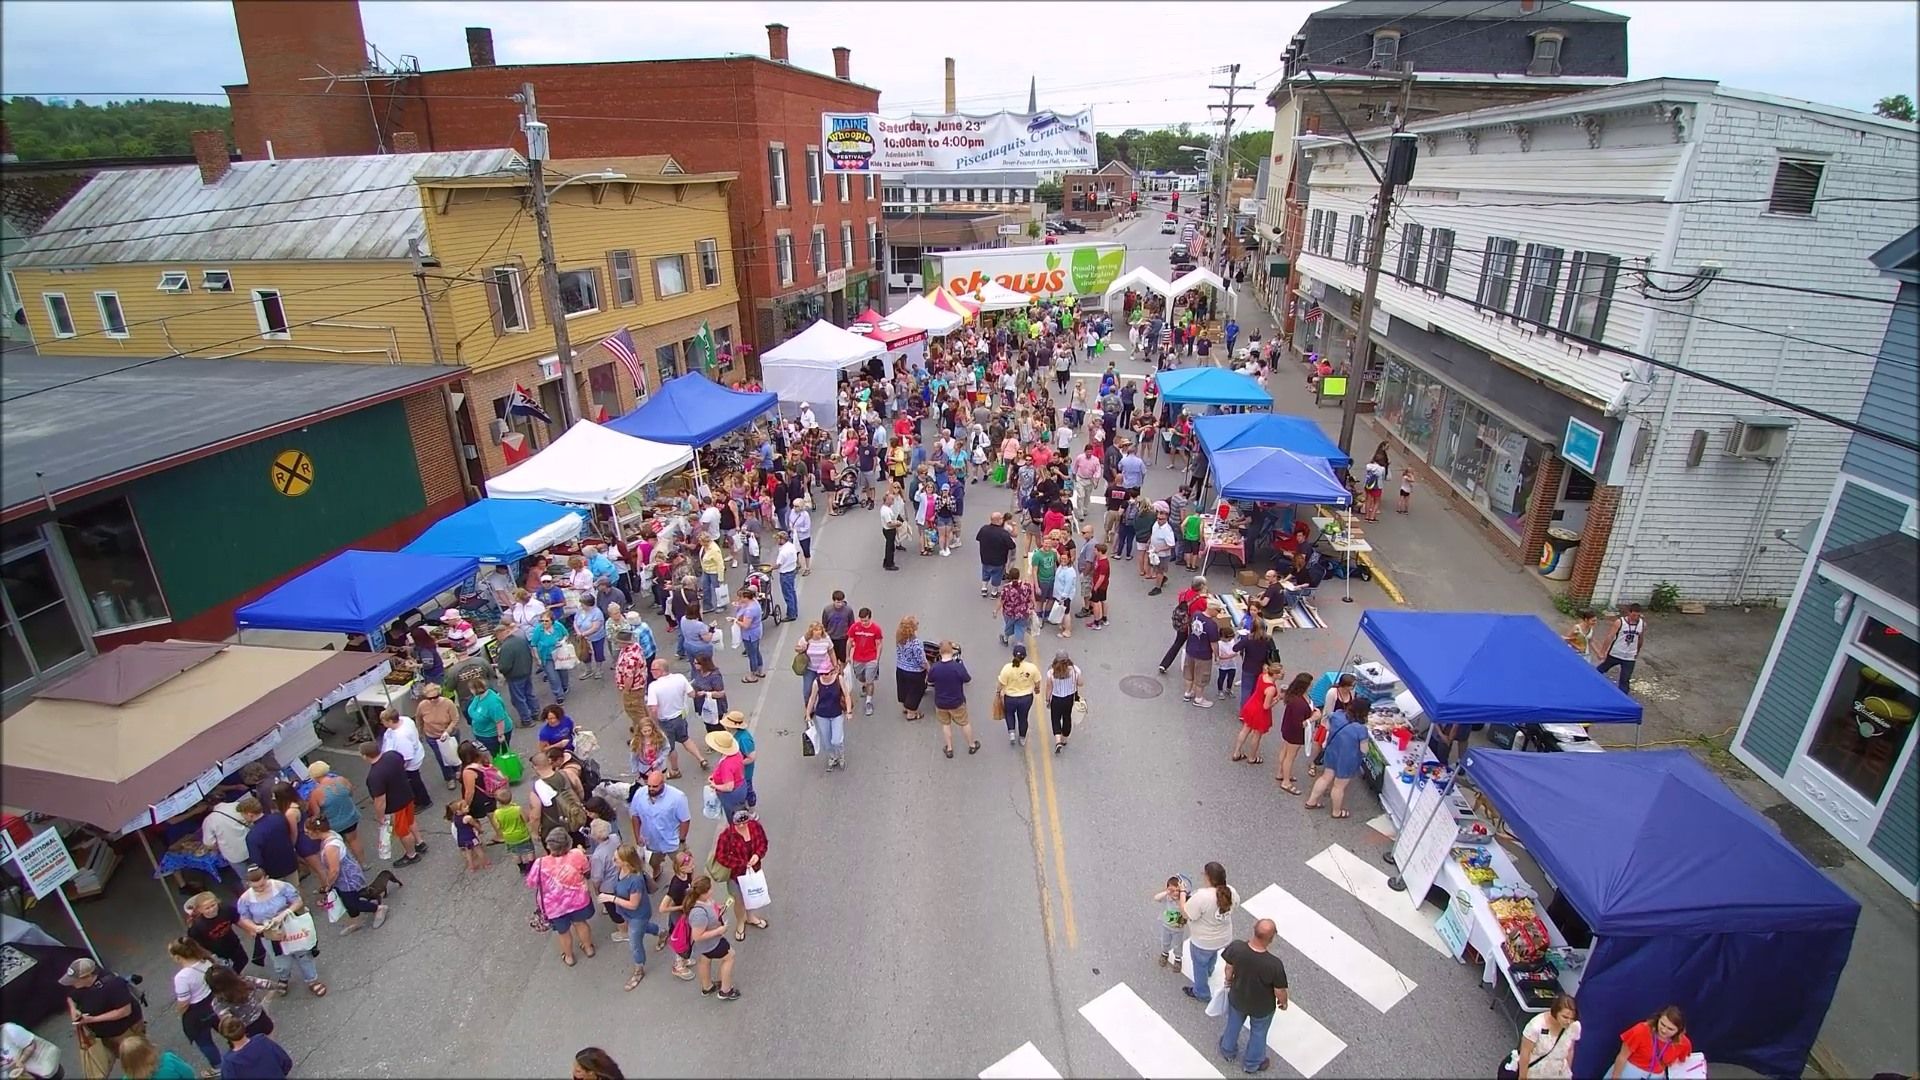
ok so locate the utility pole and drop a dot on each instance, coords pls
(1226, 159)
(1396, 170)
(421, 263)
(549, 270)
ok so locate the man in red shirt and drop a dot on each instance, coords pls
(863, 653)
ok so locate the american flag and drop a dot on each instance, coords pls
(521, 403)
(1316, 314)
(620, 344)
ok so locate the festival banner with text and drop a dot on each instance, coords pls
(958, 143)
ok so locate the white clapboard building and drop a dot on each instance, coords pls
(1541, 247)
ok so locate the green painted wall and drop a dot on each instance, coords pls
(217, 527)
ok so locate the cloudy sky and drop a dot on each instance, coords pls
(1136, 64)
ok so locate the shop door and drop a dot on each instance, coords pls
(550, 399)
(837, 301)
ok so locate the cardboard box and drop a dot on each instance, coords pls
(1247, 577)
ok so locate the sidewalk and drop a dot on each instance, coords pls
(1693, 684)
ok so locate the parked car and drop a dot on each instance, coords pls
(1055, 227)
(1180, 253)
(1073, 226)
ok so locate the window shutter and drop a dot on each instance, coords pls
(1607, 280)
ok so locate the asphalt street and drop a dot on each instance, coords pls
(931, 917)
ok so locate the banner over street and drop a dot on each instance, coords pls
(937, 142)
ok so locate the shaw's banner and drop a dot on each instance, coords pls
(871, 143)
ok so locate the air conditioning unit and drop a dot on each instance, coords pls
(1759, 438)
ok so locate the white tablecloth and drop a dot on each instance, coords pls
(1483, 929)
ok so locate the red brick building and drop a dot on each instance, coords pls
(1095, 197)
(804, 242)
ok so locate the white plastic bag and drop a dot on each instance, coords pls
(298, 934)
(564, 658)
(710, 803)
(385, 847)
(733, 635)
(1057, 614)
(721, 596)
(1217, 1005)
(753, 889)
(330, 903)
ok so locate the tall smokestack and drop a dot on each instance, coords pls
(843, 63)
(951, 102)
(777, 43)
(480, 47)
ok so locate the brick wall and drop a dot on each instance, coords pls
(283, 45)
(1546, 488)
(433, 449)
(1593, 541)
(484, 386)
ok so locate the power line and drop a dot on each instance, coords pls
(221, 209)
(1544, 8)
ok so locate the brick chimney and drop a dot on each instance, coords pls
(210, 152)
(777, 42)
(843, 63)
(406, 142)
(480, 47)
(952, 101)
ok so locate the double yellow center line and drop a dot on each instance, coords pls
(1040, 783)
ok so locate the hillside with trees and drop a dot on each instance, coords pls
(1159, 151)
(43, 132)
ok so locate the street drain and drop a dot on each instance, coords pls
(1141, 686)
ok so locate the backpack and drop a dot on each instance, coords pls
(566, 811)
(1182, 614)
(493, 782)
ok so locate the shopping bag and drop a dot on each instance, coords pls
(330, 903)
(799, 659)
(564, 658)
(449, 748)
(96, 1060)
(510, 766)
(753, 889)
(1217, 1005)
(385, 847)
(298, 934)
(1079, 712)
(1000, 473)
(710, 803)
(1057, 614)
(733, 636)
(809, 740)
(721, 596)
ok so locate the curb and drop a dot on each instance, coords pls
(1366, 559)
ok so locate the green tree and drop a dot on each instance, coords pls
(1250, 148)
(1895, 107)
(1048, 192)
(141, 128)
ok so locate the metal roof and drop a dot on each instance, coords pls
(1885, 562)
(301, 208)
(76, 424)
(1467, 9)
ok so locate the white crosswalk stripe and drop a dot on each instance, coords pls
(1026, 1063)
(1376, 982)
(1383, 825)
(1296, 1038)
(1144, 1039)
(1368, 884)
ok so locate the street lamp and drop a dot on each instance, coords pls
(549, 269)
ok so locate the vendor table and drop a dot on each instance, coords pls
(1212, 542)
(1345, 545)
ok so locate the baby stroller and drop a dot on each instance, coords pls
(846, 492)
(760, 580)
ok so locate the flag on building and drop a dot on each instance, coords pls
(521, 403)
(704, 342)
(620, 344)
(1316, 314)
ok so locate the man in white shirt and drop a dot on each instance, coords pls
(710, 519)
(1159, 548)
(667, 698)
(891, 518)
(402, 736)
(224, 830)
(500, 584)
(526, 612)
(786, 563)
(807, 420)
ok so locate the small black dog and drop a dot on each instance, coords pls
(377, 888)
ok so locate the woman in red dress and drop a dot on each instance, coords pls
(1256, 716)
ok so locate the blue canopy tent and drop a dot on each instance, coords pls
(692, 410)
(1270, 474)
(1296, 433)
(1211, 386)
(1468, 667)
(1693, 899)
(500, 530)
(356, 592)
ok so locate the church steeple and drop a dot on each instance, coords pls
(1033, 95)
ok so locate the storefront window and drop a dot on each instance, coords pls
(107, 552)
(1869, 714)
(1393, 395)
(1511, 476)
(40, 631)
(1473, 453)
(860, 294)
(1424, 395)
(800, 312)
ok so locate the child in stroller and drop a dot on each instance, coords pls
(846, 491)
(760, 580)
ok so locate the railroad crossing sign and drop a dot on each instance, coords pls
(291, 473)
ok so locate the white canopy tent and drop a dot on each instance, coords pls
(589, 464)
(806, 367)
(1141, 277)
(994, 296)
(920, 314)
